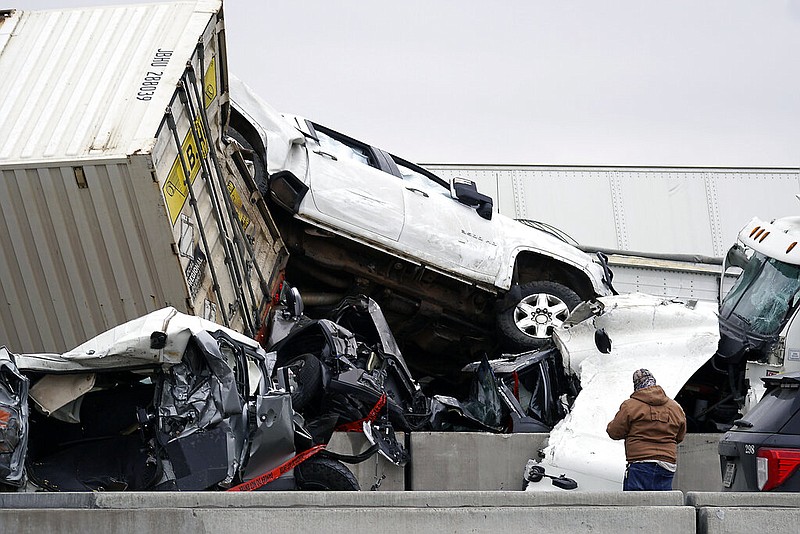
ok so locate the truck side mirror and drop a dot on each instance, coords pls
(466, 192)
(736, 257)
(602, 341)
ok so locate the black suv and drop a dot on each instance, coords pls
(762, 450)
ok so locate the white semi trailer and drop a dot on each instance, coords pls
(119, 193)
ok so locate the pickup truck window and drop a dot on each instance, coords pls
(417, 179)
(343, 149)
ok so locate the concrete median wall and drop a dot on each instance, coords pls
(470, 460)
(698, 464)
(406, 512)
(445, 472)
(722, 513)
(355, 513)
(479, 461)
(465, 461)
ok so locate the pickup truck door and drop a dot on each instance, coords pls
(349, 189)
(13, 420)
(443, 231)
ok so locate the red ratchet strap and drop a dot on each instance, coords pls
(358, 426)
(266, 478)
(516, 384)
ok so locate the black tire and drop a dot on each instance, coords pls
(254, 157)
(324, 474)
(307, 388)
(541, 306)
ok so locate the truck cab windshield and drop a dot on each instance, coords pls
(763, 295)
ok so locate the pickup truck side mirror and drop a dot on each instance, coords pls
(466, 192)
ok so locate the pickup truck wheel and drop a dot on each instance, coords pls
(542, 307)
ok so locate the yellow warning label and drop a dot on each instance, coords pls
(210, 83)
(175, 189)
(237, 203)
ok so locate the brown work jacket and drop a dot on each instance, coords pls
(651, 424)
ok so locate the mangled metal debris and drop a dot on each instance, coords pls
(347, 370)
(674, 339)
(186, 404)
(164, 402)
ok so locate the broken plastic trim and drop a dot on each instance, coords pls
(382, 435)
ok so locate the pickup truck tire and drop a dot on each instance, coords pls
(324, 474)
(541, 307)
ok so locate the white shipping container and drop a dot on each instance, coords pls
(98, 223)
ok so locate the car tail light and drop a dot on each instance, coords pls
(774, 466)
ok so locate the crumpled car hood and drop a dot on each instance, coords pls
(670, 338)
(129, 345)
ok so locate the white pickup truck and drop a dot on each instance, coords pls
(440, 260)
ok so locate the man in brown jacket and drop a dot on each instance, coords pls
(652, 425)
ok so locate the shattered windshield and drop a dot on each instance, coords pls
(762, 295)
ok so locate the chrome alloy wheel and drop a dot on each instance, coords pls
(536, 315)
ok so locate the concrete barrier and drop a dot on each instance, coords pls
(719, 513)
(441, 463)
(480, 461)
(377, 472)
(353, 512)
(698, 464)
(470, 460)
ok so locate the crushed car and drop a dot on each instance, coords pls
(164, 402)
(454, 277)
(346, 372)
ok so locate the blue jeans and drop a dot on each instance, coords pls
(647, 476)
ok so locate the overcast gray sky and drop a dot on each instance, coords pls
(627, 82)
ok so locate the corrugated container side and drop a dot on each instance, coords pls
(78, 260)
(230, 269)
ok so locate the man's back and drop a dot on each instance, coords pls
(652, 425)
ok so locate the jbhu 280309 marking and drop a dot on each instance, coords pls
(151, 79)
